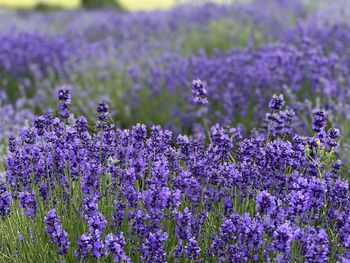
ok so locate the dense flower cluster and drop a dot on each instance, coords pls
(270, 198)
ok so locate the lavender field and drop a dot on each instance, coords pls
(201, 133)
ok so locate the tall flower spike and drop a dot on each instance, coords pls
(199, 92)
(153, 247)
(87, 244)
(54, 229)
(5, 200)
(65, 99)
(265, 203)
(28, 202)
(319, 121)
(102, 110)
(115, 244)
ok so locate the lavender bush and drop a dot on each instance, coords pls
(135, 195)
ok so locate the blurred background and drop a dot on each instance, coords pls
(125, 4)
(131, 5)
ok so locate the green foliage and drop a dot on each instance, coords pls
(219, 36)
(101, 3)
(10, 85)
(44, 7)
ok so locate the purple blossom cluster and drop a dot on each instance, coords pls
(28, 203)
(267, 196)
(54, 230)
(115, 245)
(63, 107)
(5, 200)
(200, 93)
(91, 242)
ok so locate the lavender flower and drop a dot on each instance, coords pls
(316, 245)
(89, 244)
(65, 99)
(85, 245)
(319, 121)
(102, 110)
(54, 229)
(118, 215)
(153, 247)
(28, 203)
(333, 133)
(192, 249)
(265, 203)
(115, 244)
(97, 224)
(277, 102)
(199, 92)
(64, 96)
(5, 200)
(81, 125)
(284, 235)
(20, 237)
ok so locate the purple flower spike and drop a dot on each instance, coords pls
(265, 203)
(28, 202)
(54, 229)
(115, 244)
(199, 92)
(5, 200)
(319, 121)
(153, 247)
(65, 99)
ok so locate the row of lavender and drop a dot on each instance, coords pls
(135, 55)
(145, 196)
(310, 70)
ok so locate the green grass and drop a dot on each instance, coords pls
(221, 34)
